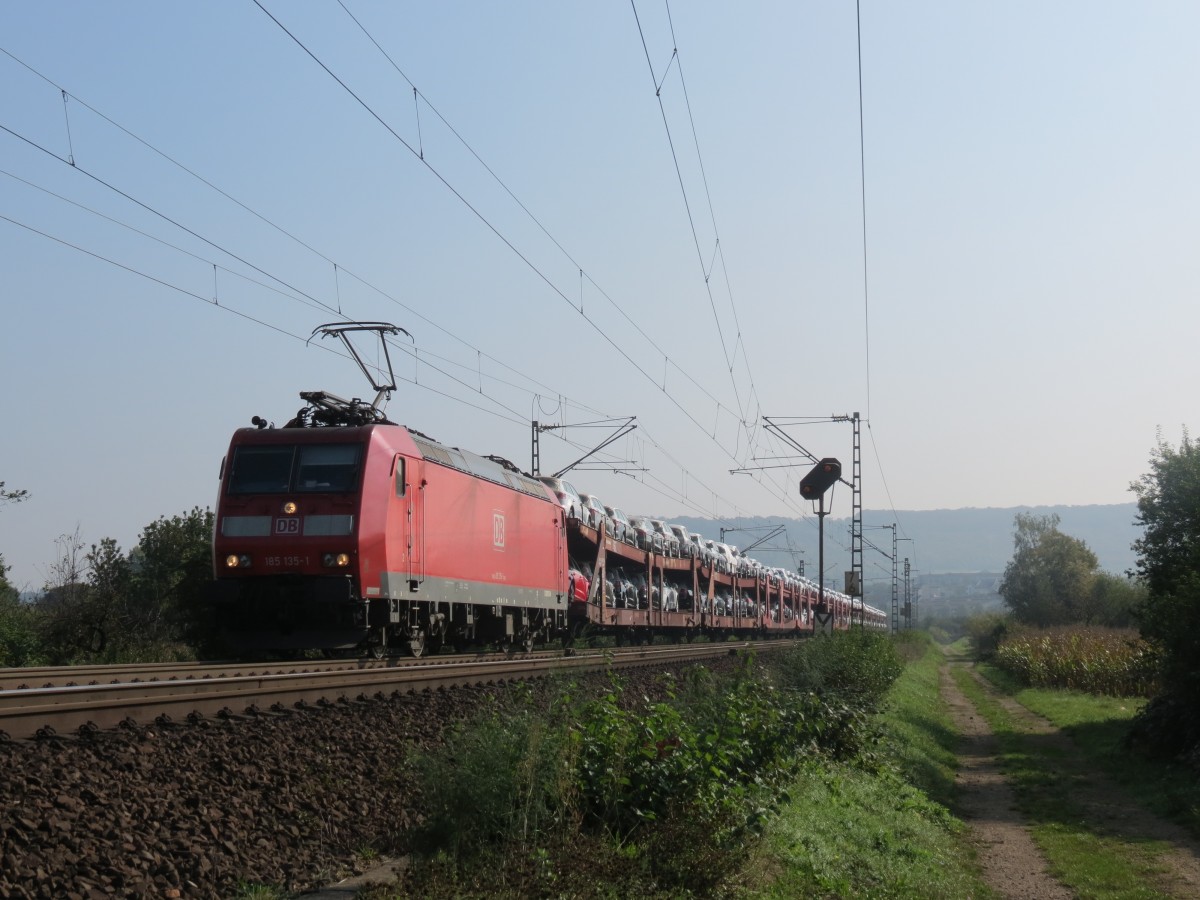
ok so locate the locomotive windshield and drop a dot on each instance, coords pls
(285, 468)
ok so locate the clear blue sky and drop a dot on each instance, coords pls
(1032, 214)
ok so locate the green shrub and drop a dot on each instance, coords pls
(19, 641)
(857, 665)
(504, 776)
(677, 786)
(986, 632)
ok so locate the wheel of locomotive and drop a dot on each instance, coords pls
(433, 645)
(620, 637)
(417, 644)
(527, 642)
(378, 649)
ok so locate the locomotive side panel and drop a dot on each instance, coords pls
(488, 544)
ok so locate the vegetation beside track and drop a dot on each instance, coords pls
(775, 781)
(877, 826)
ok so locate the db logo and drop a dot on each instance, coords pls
(287, 526)
(498, 529)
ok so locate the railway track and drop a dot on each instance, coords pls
(142, 694)
(72, 676)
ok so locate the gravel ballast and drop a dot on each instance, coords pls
(200, 809)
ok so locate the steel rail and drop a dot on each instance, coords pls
(43, 712)
(71, 676)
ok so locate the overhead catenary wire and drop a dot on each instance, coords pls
(513, 418)
(424, 353)
(528, 262)
(150, 209)
(862, 159)
(705, 272)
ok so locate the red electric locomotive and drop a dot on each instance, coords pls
(343, 530)
(327, 537)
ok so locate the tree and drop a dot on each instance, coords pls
(1169, 510)
(73, 626)
(7, 496)
(12, 496)
(5, 588)
(1115, 600)
(1051, 576)
(1169, 563)
(107, 605)
(19, 643)
(172, 566)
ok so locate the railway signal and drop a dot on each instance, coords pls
(820, 479)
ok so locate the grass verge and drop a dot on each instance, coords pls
(1080, 848)
(849, 830)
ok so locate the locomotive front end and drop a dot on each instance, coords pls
(285, 548)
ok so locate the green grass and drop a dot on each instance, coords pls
(848, 832)
(960, 649)
(923, 740)
(1097, 725)
(247, 891)
(1081, 850)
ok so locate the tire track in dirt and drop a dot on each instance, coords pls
(1012, 864)
(1108, 804)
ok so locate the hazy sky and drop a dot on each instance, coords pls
(1032, 214)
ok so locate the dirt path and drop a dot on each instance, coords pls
(1012, 863)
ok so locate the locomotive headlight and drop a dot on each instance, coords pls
(289, 508)
(336, 560)
(234, 561)
(343, 559)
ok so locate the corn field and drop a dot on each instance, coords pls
(1115, 662)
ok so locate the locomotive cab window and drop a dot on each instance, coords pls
(280, 469)
(261, 470)
(328, 467)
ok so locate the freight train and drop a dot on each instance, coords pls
(343, 531)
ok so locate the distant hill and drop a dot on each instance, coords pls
(943, 540)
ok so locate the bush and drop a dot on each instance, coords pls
(506, 776)
(675, 787)
(856, 665)
(986, 631)
(1170, 724)
(20, 644)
